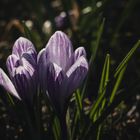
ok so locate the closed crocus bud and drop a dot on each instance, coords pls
(63, 70)
(22, 68)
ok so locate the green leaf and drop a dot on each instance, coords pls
(127, 58)
(102, 88)
(119, 72)
(68, 122)
(99, 133)
(78, 100)
(117, 84)
(10, 100)
(94, 53)
(78, 113)
(56, 128)
(105, 74)
(97, 43)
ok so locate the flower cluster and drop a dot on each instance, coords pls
(57, 69)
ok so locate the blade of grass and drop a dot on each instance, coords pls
(95, 48)
(119, 98)
(105, 74)
(78, 100)
(104, 82)
(11, 102)
(119, 72)
(127, 58)
(118, 75)
(93, 56)
(77, 116)
(68, 122)
(74, 124)
(99, 132)
(56, 129)
(102, 88)
(117, 84)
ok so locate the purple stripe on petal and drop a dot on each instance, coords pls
(12, 62)
(21, 85)
(31, 67)
(59, 49)
(7, 84)
(25, 83)
(55, 84)
(29, 62)
(23, 45)
(28, 67)
(79, 52)
(41, 56)
(42, 62)
(76, 74)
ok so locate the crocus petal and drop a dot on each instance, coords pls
(41, 56)
(12, 62)
(76, 74)
(27, 66)
(24, 75)
(24, 82)
(31, 67)
(42, 68)
(23, 45)
(55, 85)
(79, 52)
(59, 49)
(32, 62)
(7, 84)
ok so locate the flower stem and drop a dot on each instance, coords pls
(63, 128)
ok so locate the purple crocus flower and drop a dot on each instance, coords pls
(61, 71)
(22, 68)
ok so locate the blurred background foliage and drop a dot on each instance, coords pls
(81, 20)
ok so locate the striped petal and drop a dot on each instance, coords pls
(23, 72)
(25, 83)
(12, 62)
(59, 49)
(42, 68)
(23, 45)
(29, 63)
(76, 74)
(7, 84)
(56, 85)
(79, 52)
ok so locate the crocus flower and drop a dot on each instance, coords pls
(61, 71)
(22, 68)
